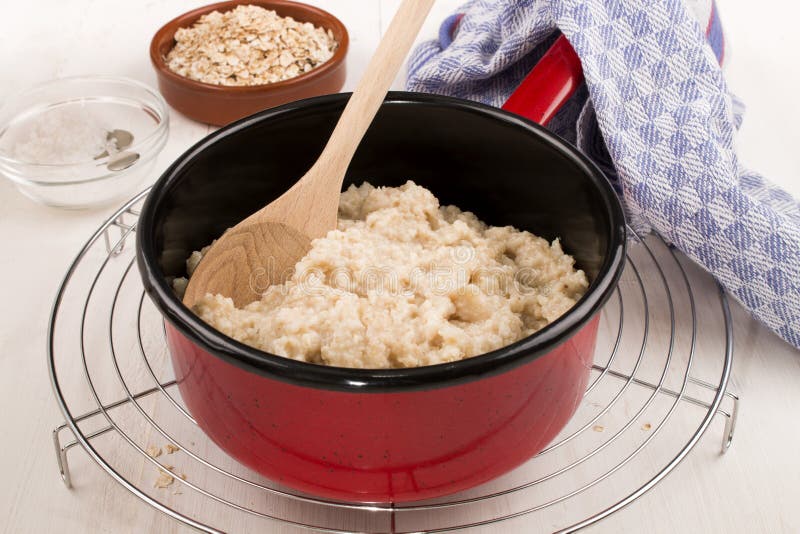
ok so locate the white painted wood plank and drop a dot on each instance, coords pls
(752, 489)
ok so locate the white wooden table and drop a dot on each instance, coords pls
(754, 488)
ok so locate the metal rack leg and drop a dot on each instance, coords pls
(61, 450)
(61, 456)
(730, 416)
(730, 422)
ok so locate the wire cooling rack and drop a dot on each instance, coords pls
(659, 379)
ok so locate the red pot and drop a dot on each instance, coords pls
(392, 446)
(399, 434)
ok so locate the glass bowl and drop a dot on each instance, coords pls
(35, 134)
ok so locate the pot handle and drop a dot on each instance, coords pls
(550, 84)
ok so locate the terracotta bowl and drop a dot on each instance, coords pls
(220, 104)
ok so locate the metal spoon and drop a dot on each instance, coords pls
(122, 160)
(122, 139)
(116, 143)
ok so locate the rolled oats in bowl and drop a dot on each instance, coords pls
(249, 45)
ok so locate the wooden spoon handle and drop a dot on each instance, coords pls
(311, 204)
(269, 243)
(369, 94)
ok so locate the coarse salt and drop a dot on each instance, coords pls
(58, 136)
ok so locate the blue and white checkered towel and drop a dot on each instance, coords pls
(656, 114)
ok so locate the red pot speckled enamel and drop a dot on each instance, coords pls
(403, 434)
(384, 447)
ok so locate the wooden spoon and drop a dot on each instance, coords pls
(263, 249)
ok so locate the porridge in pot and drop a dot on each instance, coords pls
(404, 282)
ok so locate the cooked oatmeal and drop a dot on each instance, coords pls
(405, 282)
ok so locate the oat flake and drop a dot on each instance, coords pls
(248, 45)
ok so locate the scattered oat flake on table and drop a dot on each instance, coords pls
(248, 45)
(598, 428)
(170, 448)
(164, 480)
(166, 477)
(153, 451)
(646, 426)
